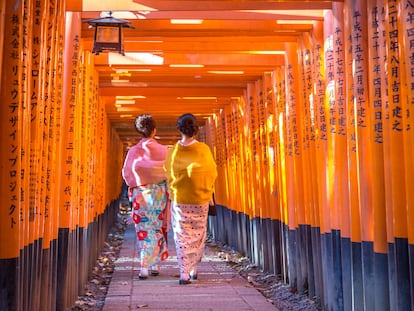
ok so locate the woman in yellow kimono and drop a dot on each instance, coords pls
(191, 172)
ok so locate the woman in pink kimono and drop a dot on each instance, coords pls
(144, 174)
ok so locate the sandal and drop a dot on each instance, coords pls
(193, 275)
(155, 270)
(143, 274)
(184, 282)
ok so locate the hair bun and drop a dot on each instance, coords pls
(187, 124)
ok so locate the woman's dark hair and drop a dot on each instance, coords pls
(187, 124)
(145, 124)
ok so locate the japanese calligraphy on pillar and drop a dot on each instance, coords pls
(270, 117)
(394, 74)
(69, 124)
(338, 121)
(224, 133)
(220, 124)
(330, 84)
(253, 121)
(48, 109)
(10, 132)
(261, 114)
(307, 107)
(280, 96)
(93, 101)
(52, 182)
(319, 88)
(12, 99)
(229, 135)
(25, 116)
(407, 36)
(237, 133)
(292, 143)
(34, 90)
(360, 83)
(263, 167)
(351, 123)
(377, 58)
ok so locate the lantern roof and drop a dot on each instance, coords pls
(109, 21)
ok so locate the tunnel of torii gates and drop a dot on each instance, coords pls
(315, 161)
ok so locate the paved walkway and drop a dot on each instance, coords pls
(219, 287)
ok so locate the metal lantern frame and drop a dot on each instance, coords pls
(108, 35)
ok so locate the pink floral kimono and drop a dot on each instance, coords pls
(144, 174)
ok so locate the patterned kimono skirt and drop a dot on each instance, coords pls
(148, 213)
(189, 224)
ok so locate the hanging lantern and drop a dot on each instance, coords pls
(108, 34)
